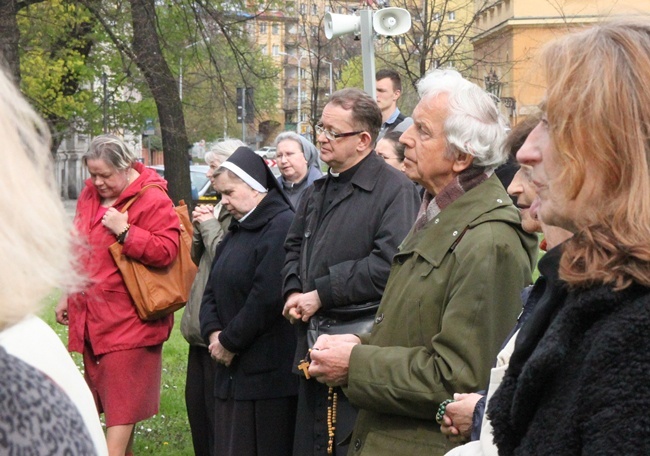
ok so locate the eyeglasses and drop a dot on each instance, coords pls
(329, 134)
(286, 155)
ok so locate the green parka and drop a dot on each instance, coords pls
(452, 296)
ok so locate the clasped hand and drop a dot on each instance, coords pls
(330, 358)
(115, 220)
(217, 352)
(301, 306)
(458, 417)
(202, 213)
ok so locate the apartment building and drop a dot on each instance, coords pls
(509, 33)
(292, 33)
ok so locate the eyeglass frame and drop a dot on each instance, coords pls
(331, 136)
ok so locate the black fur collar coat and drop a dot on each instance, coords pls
(579, 379)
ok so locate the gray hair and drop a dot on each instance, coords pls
(474, 125)
(308, 149)
(222, 150)
(112, 150)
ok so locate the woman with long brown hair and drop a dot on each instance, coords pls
(578, 378)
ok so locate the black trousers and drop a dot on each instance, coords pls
(262, 427)
(199, 399)
(311, 436)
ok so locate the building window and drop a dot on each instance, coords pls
(303, 8)
(276, 49)
(436, 41)
(451, 39)
(400, 41)
(262, 28)
(436, 17)
(314, 30)
(275, 29)
(314, 9)
(264, 49)
(451, 15)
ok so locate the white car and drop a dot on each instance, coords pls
(266, 152)
(202, 190)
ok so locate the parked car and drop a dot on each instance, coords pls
(202, 190)
(266, 152)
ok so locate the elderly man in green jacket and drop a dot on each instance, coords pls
(454, 288)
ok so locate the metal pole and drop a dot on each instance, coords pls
(180, 78)
(368, 52)
(299, 95)
(331, 87)
(243, 115)
(225, 117)
(105, 107)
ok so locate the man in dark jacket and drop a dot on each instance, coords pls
(340, 245)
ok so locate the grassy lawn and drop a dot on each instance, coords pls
(167, 433)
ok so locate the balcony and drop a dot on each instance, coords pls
(290, 104)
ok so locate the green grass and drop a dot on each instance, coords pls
(168, 432)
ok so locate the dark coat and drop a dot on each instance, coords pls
(243, 299)
(344, 253)
(577, 382)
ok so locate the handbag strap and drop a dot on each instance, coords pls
(136, 196)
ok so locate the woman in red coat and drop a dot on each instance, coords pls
(122, 353)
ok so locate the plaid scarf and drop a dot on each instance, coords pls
(432, 205)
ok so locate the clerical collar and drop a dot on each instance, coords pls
(346, 176)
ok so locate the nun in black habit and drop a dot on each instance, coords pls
(241, 315)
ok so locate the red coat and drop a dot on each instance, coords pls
(104, 311)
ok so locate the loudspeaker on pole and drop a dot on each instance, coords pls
(340, 24)
(391, 21)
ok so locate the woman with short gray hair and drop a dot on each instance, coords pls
(122, 353)
(298, 163)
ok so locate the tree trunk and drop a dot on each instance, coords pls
(162, 84)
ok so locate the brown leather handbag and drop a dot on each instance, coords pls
(157, 292)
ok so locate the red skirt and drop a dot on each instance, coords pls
(125, 383)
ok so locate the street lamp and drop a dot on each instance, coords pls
(299, 59)
(492, 84)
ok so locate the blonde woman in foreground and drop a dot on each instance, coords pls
(37, 374)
